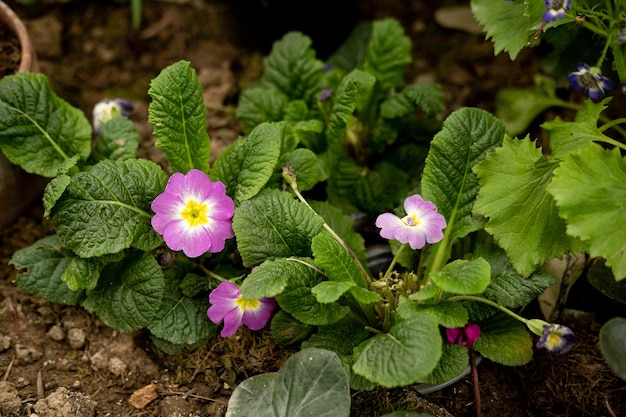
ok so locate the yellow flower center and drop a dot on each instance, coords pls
(411, 220)
(195, 213)
(247, 304)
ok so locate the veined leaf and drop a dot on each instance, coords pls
(590, 190)
(388, 53)
(426, 96)
(274, 225)
(464, 277)
(107, 208)
(504, 340)
(335, 261)
(45, 262)
(246, 166)
(129, 292)
(178, 116)
(39, 130)
(257, 105)
(514, 197)
(118, 140)
(81, 273)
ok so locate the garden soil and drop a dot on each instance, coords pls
(61, 361)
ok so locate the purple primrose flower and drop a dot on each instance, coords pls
(590, 80)
(193, 214)
(463, 336)
(422, 224)
(555, 10)
(556, 338)
(106, 109)
(228, 304)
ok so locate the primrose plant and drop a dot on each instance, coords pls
(264, 233)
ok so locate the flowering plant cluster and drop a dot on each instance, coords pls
(264, 236)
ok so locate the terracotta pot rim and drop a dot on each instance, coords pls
(28, 58)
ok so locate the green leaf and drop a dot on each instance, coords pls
(178, 117)
(514, 179)
(118, 140)
(448, 313)
(613, 345)
(291, 67)
(306, 166)
(287, 331)
(405, 355)
(453, 362)
(567, 136)
(448, 181)
(129, 293)
(504, 340)
(601, 277)
(45, 262)
(464, 277)
(589, 189)
(311, 383)
(81, 274)
(257, 105)
(39, 130)
(335, 261)
(107, 208)
(351, 54)
(180, 319)
(518, 107)
(274, 225)
(270, 278)
(330, 291)
(53, 191)
(298, 300)
(426, 96)
(245, 167)
(388, 53)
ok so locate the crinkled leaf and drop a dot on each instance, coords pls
(292, 68)
(567, 136)
(590, 191)
(246, 166)
(426, 96)
(53, 191)
(453, 362)
(176, 349)
(81, 274)
(181, 319)
(613, 344)
(107, 208)
(178, 117)
(311, 383)
(335, 261)
(305, 165)
(388, 53)
(287, 331)
(257, 105)
(514, 198)
(330, 291)
(448, 313)
(118, 140)
(464, 277)
(351, 54)
(504, 340)
(129, 292)
(405, 355)
(270, 278)
(39, 130)
(274, 225)
(45, 262)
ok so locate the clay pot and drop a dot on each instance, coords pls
(18, 189)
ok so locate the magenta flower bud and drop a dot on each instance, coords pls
(463, 336)
(422, 224)
(228, 304)
(193, 214)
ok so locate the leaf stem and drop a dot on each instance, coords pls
(211, 274)
(490, 303)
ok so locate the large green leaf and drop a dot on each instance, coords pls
(107, 208)
(39, 130)
(270, 278)
(257, 105)
(45, 262)
(246, 166)
(448, 181)
(129, 293)
(405, 355)
(504, 340)
(274, 225)
(311, 383)
(523, 217)
(388, 53)
(118, 140)
(613, 344)
(178, 117)
(335, 261)
(426, 96)
(464, 277)
(590, 190)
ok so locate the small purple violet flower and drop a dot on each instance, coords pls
(422, 223)
(463, 336)
(106, 109)
(555, 10)
(193, 214)
(228, 304)
(556, 338)
(325, 94)
(590, 80)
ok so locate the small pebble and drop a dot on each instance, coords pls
(116, 366)
(76, 338)
(27, 354)
(56, 333)
(10, 402)
(5, 342)
(99, 360)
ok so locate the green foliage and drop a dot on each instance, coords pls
(613, 344)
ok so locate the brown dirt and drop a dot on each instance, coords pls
(71, 359)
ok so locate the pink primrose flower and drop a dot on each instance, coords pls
(422, 224)
(228, 304)
(193, 214)
(464, 336)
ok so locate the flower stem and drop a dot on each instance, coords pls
(211, 274)
(488, 302)
(393, 262)
(479, 412)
